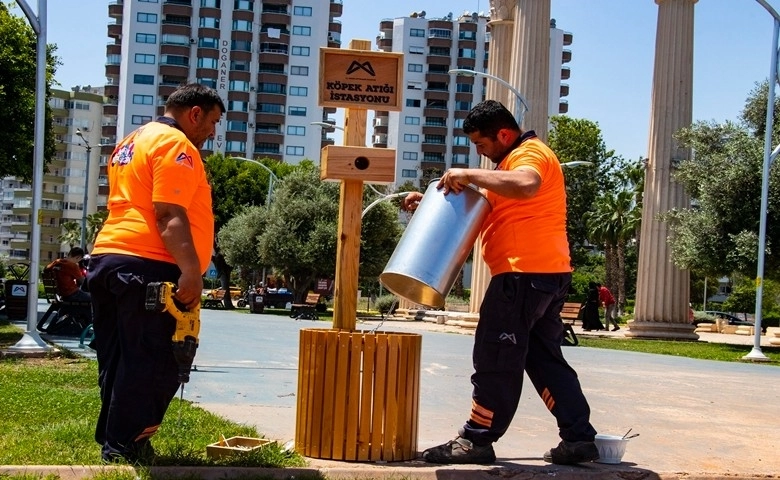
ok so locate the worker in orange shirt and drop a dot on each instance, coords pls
(525, 246)
(160, 227)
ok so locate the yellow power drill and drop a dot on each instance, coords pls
(159, 298)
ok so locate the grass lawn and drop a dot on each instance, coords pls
(701, 350)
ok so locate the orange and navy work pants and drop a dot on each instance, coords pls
(520, 330)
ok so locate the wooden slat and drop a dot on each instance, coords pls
(415, 395)
(303, 391)
(366, 397)
(341, 389)
(315, 425)
(402, 392)
(353, 397)
(380, 396)
(390, 434)
(329, 394)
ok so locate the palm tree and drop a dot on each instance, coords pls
(71, 233)
(94, 224)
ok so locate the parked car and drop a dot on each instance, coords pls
(235, 293)
(732, 319)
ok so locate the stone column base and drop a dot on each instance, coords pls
(661, 330)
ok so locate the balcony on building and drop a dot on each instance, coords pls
(177, 8)
(334, 39)
(379, 140)
(566, 56)
(439, 56)
(275, 34)
(336, 8)
(115, 29)
(267, 150)
(568, 37)
(565, 73)
(268, 133)
(275, 14)
(115, 8)
(386, 25)
(563, 107)
(381, 122)
(274, 52)
(277, 2)
(564, 89)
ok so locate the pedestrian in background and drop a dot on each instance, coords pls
(590, 311)
(160, 227)
(606, 299)
(525, 246)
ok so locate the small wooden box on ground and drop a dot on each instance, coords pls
(234, 445)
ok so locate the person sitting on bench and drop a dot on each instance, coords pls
(69, 277)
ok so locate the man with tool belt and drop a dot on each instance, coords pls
(160, 227)
(525, 246)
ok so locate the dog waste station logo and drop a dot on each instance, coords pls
(360, 79)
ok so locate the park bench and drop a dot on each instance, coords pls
(63, 316)
(306, 310)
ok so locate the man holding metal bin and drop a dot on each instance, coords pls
(524, 244)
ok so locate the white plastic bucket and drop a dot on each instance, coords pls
(435, 245)
(611, 448)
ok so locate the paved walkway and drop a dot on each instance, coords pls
(696, 418)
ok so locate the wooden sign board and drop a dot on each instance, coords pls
(370, 165)
(361, 79)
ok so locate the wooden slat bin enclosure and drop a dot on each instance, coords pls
(358, 395)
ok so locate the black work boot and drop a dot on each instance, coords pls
(460, 450)
(570, 453)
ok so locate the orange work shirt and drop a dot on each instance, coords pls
(155, 163)
(529, 235)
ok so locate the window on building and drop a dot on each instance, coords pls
(411, 138)
(299, 91)
(277, 88)
(296, 111)
(149, 1)
(410, 156)
(140, 119)
(464, 88)
(145, 38)
(211, 3)
(412, 102)
(144, 58)
(267, 147)
(460, 141)
(113, 59)
(467, 35)
(207, 63)
(208, 42)
(243, 5)
(467, 53)
(417, 50)
(239, 65)
(460, 158)
(440, 33)
(271, 67)
(414, 67)
(436, 139)
(435, 121)
(459, 122)
(146, 17)
(235, 146)
(301, 51)
(296, 130)
(242, 25)
(416, 32)
(237, 106)
(301, 30)
(440, 51)
(209, 22)
(143, 79)
(268, 128)
(302, 11)
(236, 126)
(293, 150)
(408, 173)
(298, 70)
(463, 106)
(170, 39)
(241, 45)
(143, 99)
(411, 120)
(270, 108)
(414, 85)
(174, 60)
(209, 82)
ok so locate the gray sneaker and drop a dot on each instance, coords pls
(570, 453)
(460, 450)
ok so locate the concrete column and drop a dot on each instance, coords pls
(530, 69)
(662, 298)
(501, 31)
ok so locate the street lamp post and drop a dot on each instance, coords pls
(328, 125)
(86, 191)
(521, 106)
(271, 179)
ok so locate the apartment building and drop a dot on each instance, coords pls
(63, 194)
(427, 134)
(261, 55)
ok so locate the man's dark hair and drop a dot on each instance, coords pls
(488, 118)
(76, 252)
(194, 95)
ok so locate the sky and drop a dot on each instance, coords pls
(612, 53)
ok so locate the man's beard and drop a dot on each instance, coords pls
(497, 159)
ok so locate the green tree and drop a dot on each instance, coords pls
(95, 223)
(235, 185)
(71, 233)
(297, 235)
(580, 140)
(17, 95)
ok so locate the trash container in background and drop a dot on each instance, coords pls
(256, 304)
(16, 291)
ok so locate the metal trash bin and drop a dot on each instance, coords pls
(16, 291)
(256, 304)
